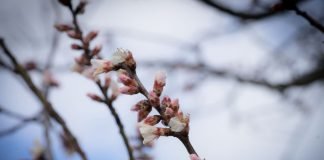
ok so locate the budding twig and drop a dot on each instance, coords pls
(84, 61)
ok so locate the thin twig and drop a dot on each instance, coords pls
(120, 125)
(108, 102)
(309, 19)
(19, 126)
(23, 121)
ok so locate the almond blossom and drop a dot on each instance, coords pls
(148, 132)
(101, 66)
(176, 124)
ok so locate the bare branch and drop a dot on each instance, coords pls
(308, 78)
(240, 14)
(309, 19)
(46, 104)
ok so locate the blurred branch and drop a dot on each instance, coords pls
(309, 19)
(19, 126)
(23, 121)
(46, 88)
(240, 14)
(46, 104)
(307, 78)
(5, 66)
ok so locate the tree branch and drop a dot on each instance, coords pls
(309, 19)
(120, 125)
(240, 14)
(308, 78)
(46, 104)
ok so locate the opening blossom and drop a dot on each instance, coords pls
(176, 124)
(148, 132)
(101, 66)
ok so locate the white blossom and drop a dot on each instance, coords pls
(176, 124)
(148, 132)
(119, 56)
(101, 66)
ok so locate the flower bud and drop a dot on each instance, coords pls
(96, 50)
(63, 27)
(81, 7)
(76, 47)
(73, 34)
(90, 36)
(30, 65)
(130, 61)
(152, 120)
(130, 90)
(159, 83)
(154, 99)
(94, 97)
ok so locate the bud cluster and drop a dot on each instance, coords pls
(169, 112)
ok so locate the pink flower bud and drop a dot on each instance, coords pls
(162, 131)
(63, 27)
(94, 97)
(194, 157)
(30, 65)
(96, 50)
(166, 102)
(154, 99)
(159, 82)
(175, 105)
(76, 47)
(123, 78)
(80, 7)
(130, 90)
(73, 34)
(141, 105)
(152, 120)
(169, 112)
(130, 61)
(142, 114)
(90, 36)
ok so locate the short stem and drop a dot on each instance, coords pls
(186, 142)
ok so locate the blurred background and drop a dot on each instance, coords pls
(251, 78)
